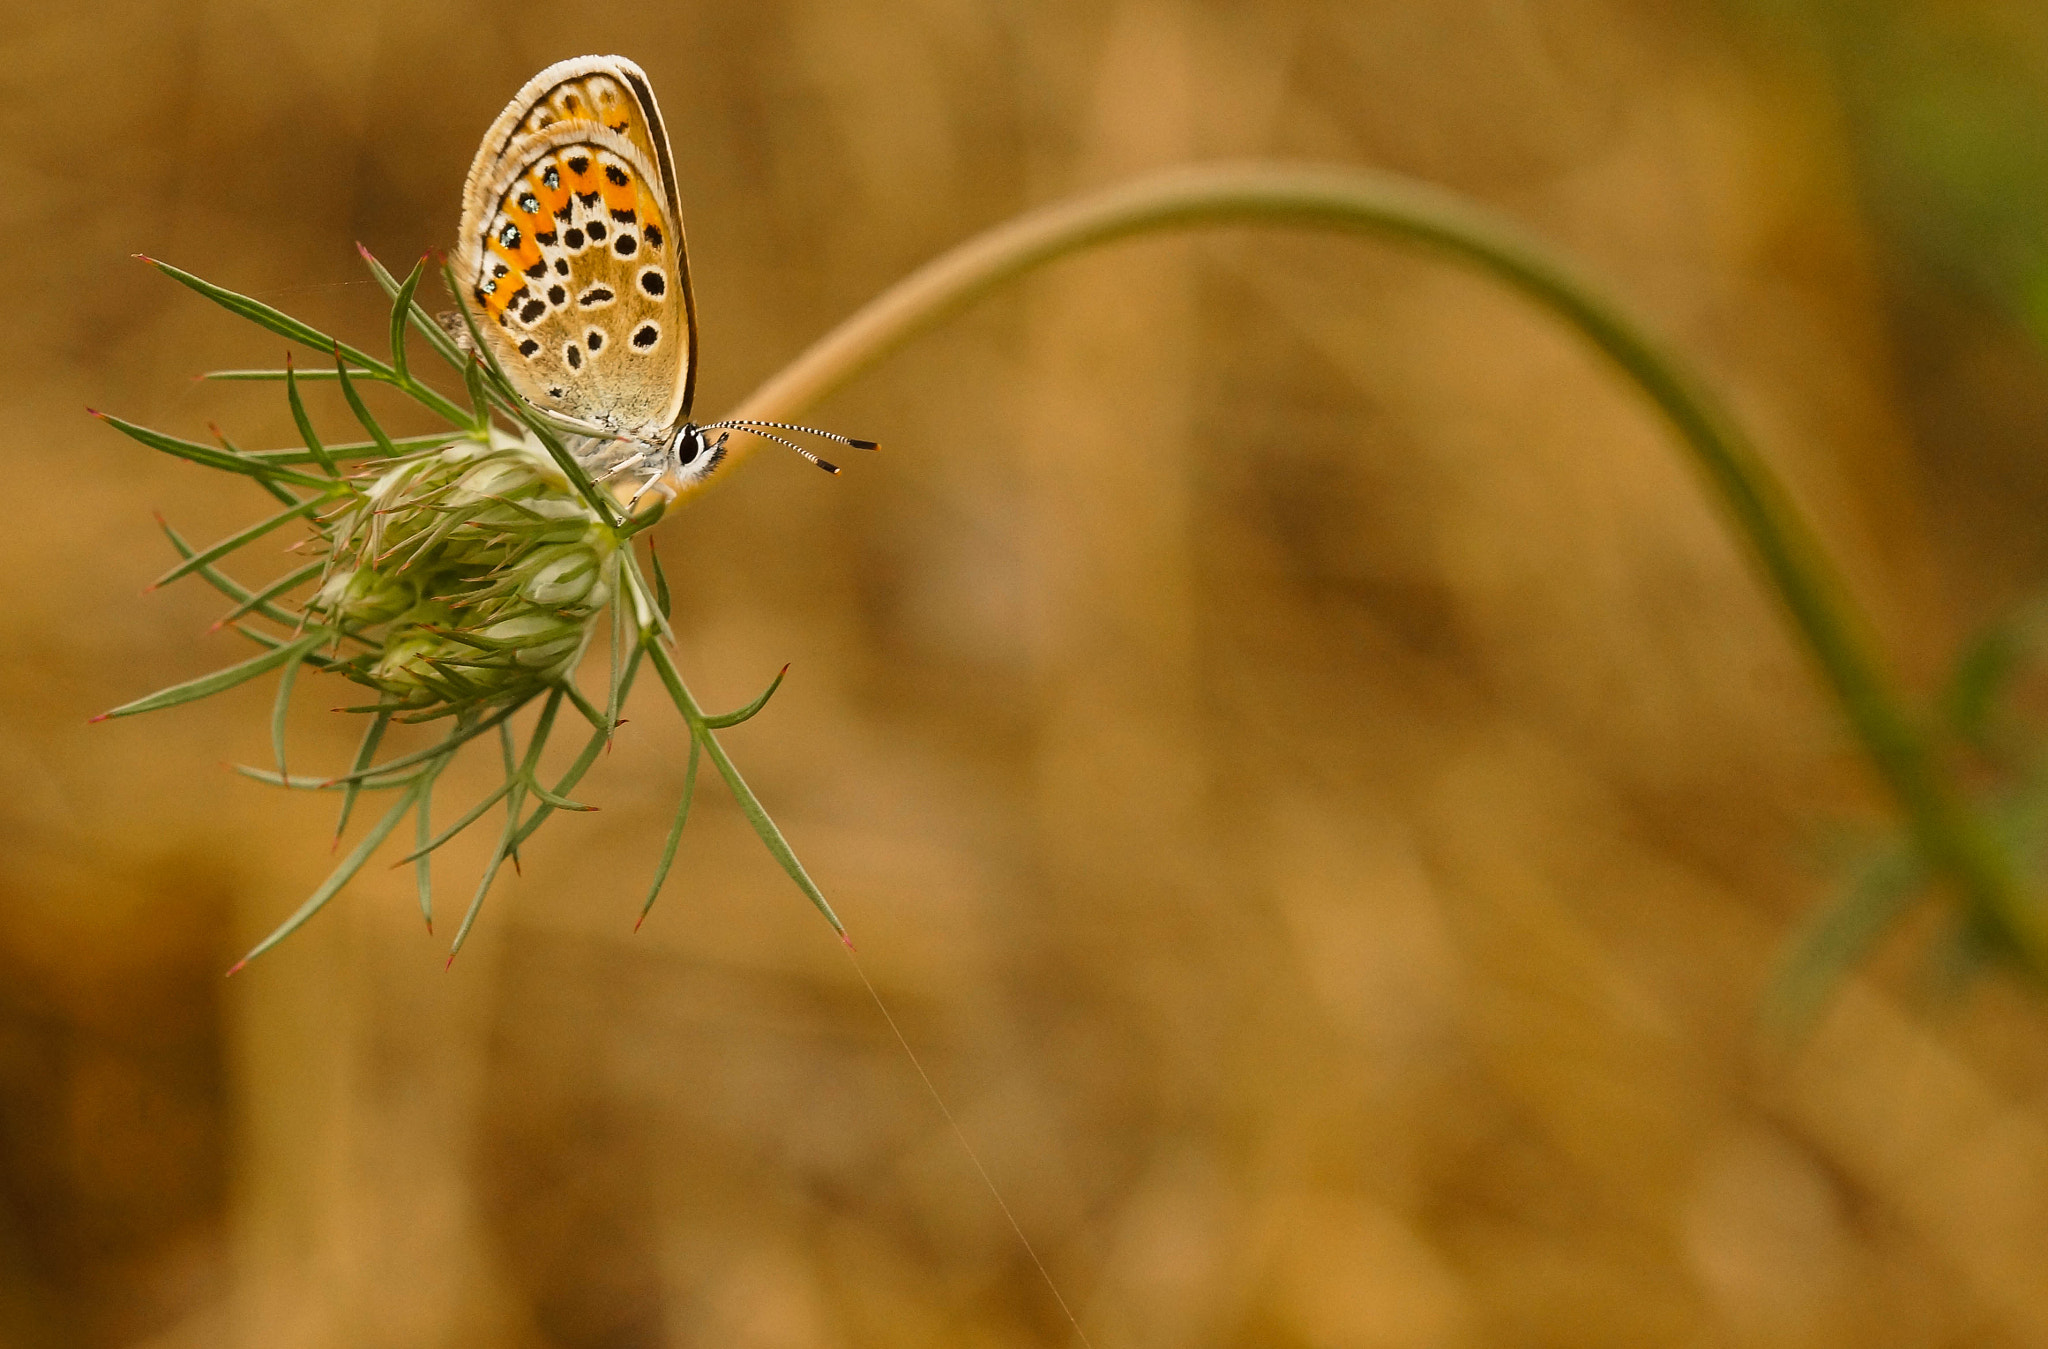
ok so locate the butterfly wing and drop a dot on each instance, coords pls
(571, 249)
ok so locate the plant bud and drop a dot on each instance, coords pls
(474, 571)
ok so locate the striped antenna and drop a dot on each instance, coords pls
(769, 435)
(744, 425)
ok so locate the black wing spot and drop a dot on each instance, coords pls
(531, 310)
(508, 235)
(652, 233)
(573, 354)
(593, 339)
(595, 229)
(551, 177)
(573, 237)
(545, 240)
(616, 174)
(566, 212)
(499, 269)
(538, 270)
(595, 296)
(528, 347)
(579, 165)
(589, 200)
(625, 245)
(556, 295)
(646, 335)
(554, 393)
(620, 127)
(624, 217)
(529, 203)
(653, 282)
(561, 266)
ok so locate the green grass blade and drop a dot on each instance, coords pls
(279, 322)
(468, 818)
(735, 718)
(220, 680)
(300, 783)
(270, 592)
(750, 805)
(456, 739)
(480, 349)
(504, 849)
(280, 708)
(567, 782)
(557, 802)
(661, 596)
(479, 402)
(437, 338)
(586, 707)
(264, 480)
(253, 466)
(314, 659)
(365, 752)
(517, 781)
(401, 309)
(305, 423)
(193, 562)
(675, 836)
(647, 613)
(355, 404)
(337, 878)
(423, 861)
(615, 651)
(232, 590)
(362, 449)
(278, 376)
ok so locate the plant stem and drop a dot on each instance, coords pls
(1954, 839)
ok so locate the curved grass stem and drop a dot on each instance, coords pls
(1956, 841)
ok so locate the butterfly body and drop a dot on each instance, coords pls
(571, 257)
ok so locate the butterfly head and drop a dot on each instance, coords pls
(692, 454)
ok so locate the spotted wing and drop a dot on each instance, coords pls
(571, 249)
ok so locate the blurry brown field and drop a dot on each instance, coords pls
(1308, 768)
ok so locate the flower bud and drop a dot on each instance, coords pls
(474, 571)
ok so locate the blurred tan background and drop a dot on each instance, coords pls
(1303, 761)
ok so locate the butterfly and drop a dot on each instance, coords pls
(571, 252)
